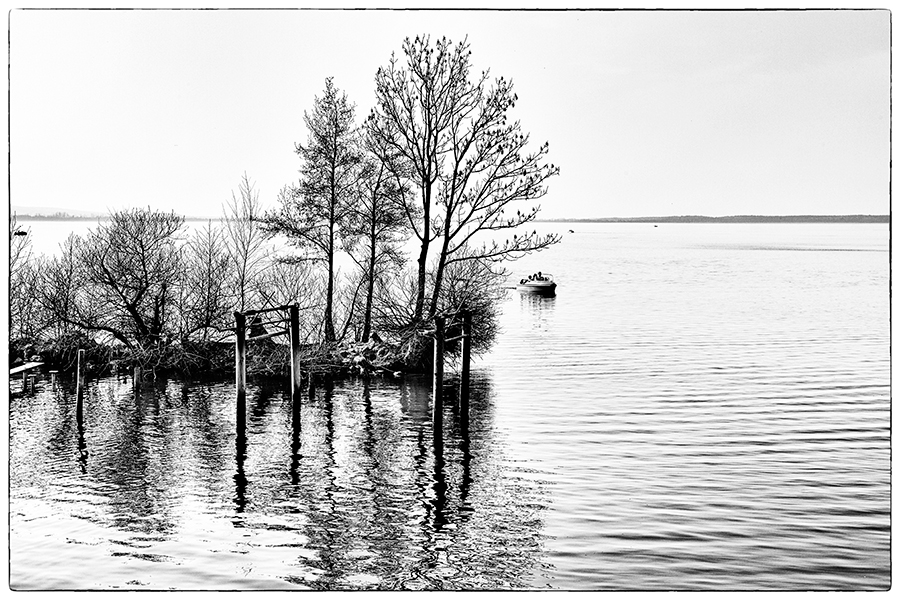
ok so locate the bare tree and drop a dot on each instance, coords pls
(27, 320)
(131, 266)
(377, 228)
(19, 244)
(204, 295)
(410, 121)
(61, 279)
(466, 158)
(313, 213)
(21, 276)
(244, 238)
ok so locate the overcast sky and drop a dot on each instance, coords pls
(647, 113)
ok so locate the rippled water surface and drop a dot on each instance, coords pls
(700, 407)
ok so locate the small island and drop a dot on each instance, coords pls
(143, 292)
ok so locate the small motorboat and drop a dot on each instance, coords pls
(539, 283)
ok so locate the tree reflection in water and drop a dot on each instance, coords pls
(352, 490)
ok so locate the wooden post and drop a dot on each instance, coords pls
(79, 386)
(53, 377)
(296, 376)
(137, 377)
(31, 379)
(79, 369)
(437, 388)
(240, 369)
(464, 373)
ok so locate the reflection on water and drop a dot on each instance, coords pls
(540, 308)
(689, 412)
(354, 490)
(707, 413)
(536, 302)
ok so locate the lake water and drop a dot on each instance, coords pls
(701, 407)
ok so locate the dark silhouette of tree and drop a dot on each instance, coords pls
(19, 245)
(377, 226)
(450, 136)
(314, 213)
(131, 266)
(23, 278)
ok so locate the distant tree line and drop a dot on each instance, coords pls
(57, 216)
(438, 163)
(737, 219)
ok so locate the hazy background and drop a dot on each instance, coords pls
(647, 113)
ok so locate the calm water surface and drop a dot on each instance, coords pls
(700, 407)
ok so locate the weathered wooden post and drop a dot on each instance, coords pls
(464, 373)
(79, 386)
(438, 385)
(311, 392)
(31, 379)
(296, 376)
(137, 377)
(53, 377)
(240, 369)
(79, 369)
(240, 353)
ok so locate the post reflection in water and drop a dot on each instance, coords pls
(387, 503)
(353, 491)
(331, 468)
(240, 477)
(439, 503)
(82, 445)
(296, 423)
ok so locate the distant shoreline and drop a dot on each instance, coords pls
(680, 219)
(733, 219)
(22, 217)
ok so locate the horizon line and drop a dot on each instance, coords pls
(705, 218)
(62, 215)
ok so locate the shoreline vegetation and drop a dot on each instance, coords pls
(438, 162)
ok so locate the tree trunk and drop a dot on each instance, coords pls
(439, 277)
(367, 317)
(423, 254)
(442, 264)
(329, 323)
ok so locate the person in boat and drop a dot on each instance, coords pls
(540, 277)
